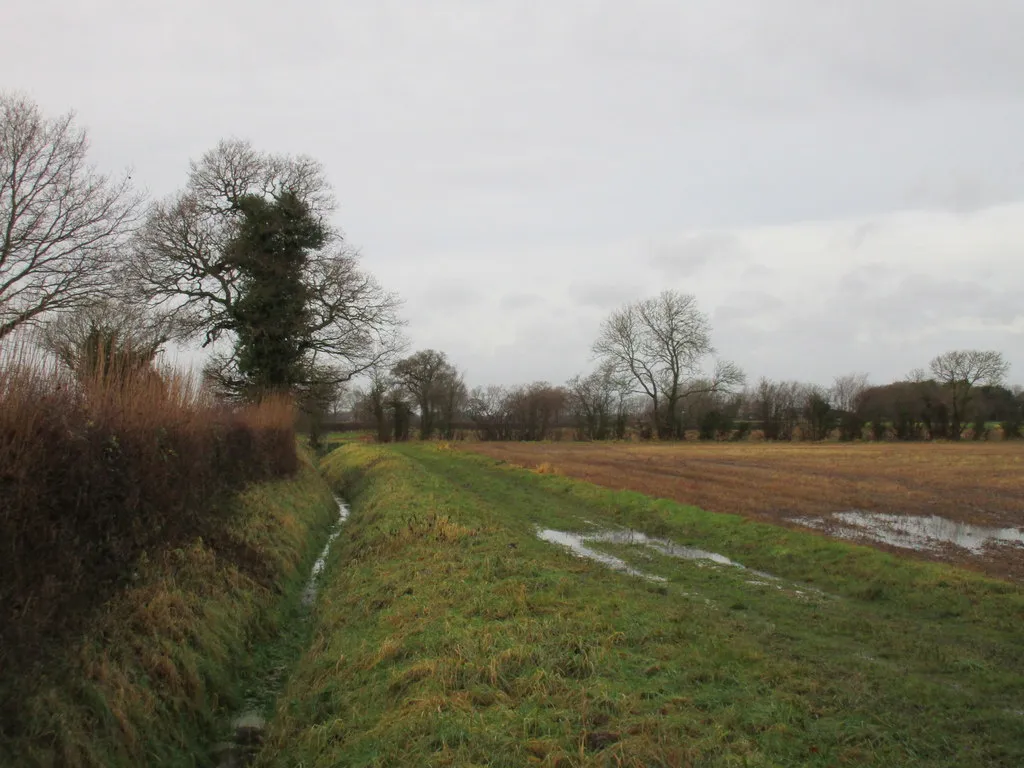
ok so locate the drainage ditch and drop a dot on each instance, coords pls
(248, 725)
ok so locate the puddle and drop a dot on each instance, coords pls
(247, 729)
(577, 542)
(310, 592)
(912, 531)
(664, 546)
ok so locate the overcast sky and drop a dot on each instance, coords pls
(841, 184)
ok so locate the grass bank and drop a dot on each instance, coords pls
(451, 635)
(164, 660)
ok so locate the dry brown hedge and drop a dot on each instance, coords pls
(95, 473)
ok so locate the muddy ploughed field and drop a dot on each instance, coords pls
(960, 503)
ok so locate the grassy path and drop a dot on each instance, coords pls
(448, 634)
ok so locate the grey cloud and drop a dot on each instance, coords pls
(886, 295)
(964, 191)
(902, 50)
(861, 233)
(445, 294)
(868, 279)
(924, 298)
(877, 319)
(515, 301)
(537, 353)
(693, 253)
(538, 134)
(756, 273)
(606, 295)
(746, 305)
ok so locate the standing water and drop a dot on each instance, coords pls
(921, 532)
(309, 593)
(577, 544)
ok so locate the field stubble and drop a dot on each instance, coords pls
(978, 484)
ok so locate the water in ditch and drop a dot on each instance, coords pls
(248, 725)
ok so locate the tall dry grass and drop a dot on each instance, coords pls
(99, 469)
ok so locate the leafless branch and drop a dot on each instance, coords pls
(660, 343)
(62, 223)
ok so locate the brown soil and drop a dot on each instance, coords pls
(980, 483)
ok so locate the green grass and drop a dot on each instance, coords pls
(447, 634)
(351, 435)
(161, 667)
(335, 439)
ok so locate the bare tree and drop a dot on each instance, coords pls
(62, 222)
(1013, 420)
(596, 401)
(712, 414)
(422, 374)
(486, 408)
(778, 405)
(959, 371)
(524, 412)
(342, 405)
(182, 260)
(848, 398)
(397, 400)
(847, 390)
(371, 403)
(820, 418)
(538, 409)
(660, 343)
(449, 401)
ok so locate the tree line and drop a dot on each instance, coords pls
(656, 377)
(244, 261)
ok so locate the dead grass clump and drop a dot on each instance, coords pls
(99, 470)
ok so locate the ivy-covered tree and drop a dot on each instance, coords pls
(245, 255)
(270, 319)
